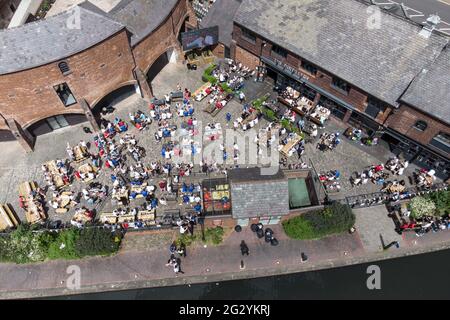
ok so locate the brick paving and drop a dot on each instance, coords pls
(16, 167)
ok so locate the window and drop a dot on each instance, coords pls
(248, 36)
(442, 142)
(65, 94)
(311, 69)
(374, 107)
(64, 67)
(421, 125)
(341, 85)
(279, 51)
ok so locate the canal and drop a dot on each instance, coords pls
(416, 277)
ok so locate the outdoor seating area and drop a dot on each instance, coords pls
(32, 200)
(304, 106)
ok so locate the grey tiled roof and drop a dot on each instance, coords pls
(262, 198)
(338, 36)
(254, 174)
(430, 91)
(52, 39)
(142, 17)
(253, 194)
(221, 14)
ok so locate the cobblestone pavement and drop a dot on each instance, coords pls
(17, 167)
(374, 226)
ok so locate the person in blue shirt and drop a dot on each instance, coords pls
(184, 188)
(228, 117)
(198, 207)
(191, 188)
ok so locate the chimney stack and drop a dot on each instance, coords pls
(430, 25)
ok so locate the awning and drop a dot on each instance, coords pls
(294, 74)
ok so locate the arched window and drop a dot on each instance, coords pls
(64, 67)
(421, 125)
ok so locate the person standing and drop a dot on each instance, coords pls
(228, 118)
(241, 96)
(182, 250)
(244, 248)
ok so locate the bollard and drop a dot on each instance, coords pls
(304, 257)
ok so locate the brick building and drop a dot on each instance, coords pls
(374, 70)
(62, 70)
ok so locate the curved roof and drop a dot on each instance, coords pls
(57, 37)
(142, 17)
(70, 32)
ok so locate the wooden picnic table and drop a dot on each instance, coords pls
(34, 212)
(291, 143)
(8, 218)
(80, 153)
(251, 117)
(201, 93)
(56, 174)
(147, 216)
(126, 218)
(86, 169)
(82, 216)
(108, 217)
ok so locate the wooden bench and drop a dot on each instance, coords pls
(8, 218)
(200, 92)
(146, 216)
(108, 217)
(126, 218)
(294, 141)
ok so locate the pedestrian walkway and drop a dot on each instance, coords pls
(375, 227)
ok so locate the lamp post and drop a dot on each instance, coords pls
(201, 222)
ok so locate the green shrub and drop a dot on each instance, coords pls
(421, 207)
(441, 200)
(63, 247)
(96, 241)
(187, 239)
(214, 235)
(298, 228)
(337, 218)
(26, 244)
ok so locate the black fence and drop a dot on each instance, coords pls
(383, 198)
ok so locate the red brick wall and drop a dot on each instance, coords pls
(219, 51)
(29, 96)
(404, 119)
(148, 50)
(248, 53)
(246, 58)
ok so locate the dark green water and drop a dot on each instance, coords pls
(424, 276)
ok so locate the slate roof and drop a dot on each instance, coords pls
(261, 198)
(430, 91)
(334, 35)
(221, 14)
(142, 17)
(255, 195)
(52, 39)
(253, 174)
